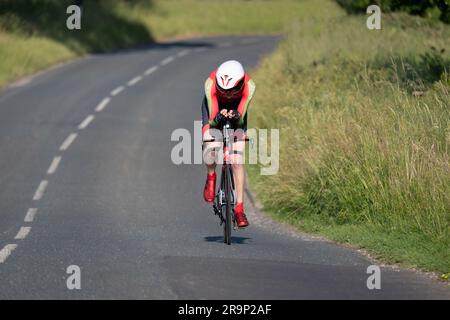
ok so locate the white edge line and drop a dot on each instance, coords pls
(23, 233)
(132, 82)
(116, 91)
(102, 104)
(40, 190)
(54, 165)
(66, 144)
(30, 215)
(151, 70)
(86, 122)
(167, 60)
(6, 251)
(22, 82)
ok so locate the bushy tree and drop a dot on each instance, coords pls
(417, 7)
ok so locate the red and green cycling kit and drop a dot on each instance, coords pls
(212, 102)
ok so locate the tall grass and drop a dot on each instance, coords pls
(365, 134)
(170, 18)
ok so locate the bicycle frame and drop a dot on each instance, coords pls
(226, 159)
(226, 169)
(226, 195)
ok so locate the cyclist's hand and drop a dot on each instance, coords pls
(221, 116)
(234, 115)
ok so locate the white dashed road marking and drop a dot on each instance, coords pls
(30, 215)
(40, 190)
(38, 195)
(132, 82)
(66, 144)
(102, 104)
(167, 60)
(54, 165)
(183, 53)
(151, 70)
(6, 251)
(116, 91)
(23, 233)
(200, 50)
(86, 122)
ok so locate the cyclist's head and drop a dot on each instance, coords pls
(230, 80)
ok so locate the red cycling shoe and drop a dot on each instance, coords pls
(210, 188)
(241, 218)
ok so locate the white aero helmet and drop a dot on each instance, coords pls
(229, 74)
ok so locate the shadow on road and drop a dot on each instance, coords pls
(104, 26)
(188, 44)
(236, 240)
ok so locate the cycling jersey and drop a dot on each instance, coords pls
(212, 103)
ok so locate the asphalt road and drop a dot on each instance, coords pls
(110, 200)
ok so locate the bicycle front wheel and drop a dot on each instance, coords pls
(226, 208)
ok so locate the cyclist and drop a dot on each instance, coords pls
(228, 91)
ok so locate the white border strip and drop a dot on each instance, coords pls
(86, 122)
(167, 60)
(30, 215)
(55, 163)
(66, 144)
(23, 233)
(102, 104)
(133, 81)
(118, 90)
(6, 251)
(151, 70)
(40, 190)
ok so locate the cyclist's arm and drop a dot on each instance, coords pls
(205, 115)
(211, 100)
(247, 96)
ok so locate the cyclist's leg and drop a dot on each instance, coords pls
(212, 150)
(239, 180)
(210, 155)
(237, 160)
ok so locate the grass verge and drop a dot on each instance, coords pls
(364, 134)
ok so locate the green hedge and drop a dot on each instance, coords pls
(418, 7)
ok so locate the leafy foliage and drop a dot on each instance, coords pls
(417, 7)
